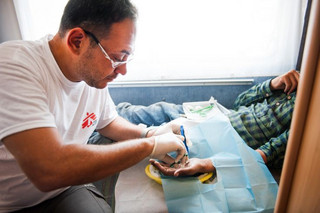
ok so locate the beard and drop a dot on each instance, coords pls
(88, 72)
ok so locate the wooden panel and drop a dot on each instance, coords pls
(299, 189)
(305, 189)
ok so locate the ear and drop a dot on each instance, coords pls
(76, 40)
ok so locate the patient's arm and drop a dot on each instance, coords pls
(193, 166)
(287, 82)
(274, 149)
(264, 157)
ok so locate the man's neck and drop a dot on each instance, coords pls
(62, 57)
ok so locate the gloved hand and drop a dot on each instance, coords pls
(167, 128)
(166, 143)
(170, 127)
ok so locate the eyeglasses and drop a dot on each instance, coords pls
(114, 64)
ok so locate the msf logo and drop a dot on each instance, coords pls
(90, 120)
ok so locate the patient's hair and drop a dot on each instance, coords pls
(95, 15)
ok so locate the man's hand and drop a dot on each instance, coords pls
(170, 127)
(193, 166)
(166, 143)
(167, 128)
(288, 82)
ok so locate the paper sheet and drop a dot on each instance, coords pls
(136, 192)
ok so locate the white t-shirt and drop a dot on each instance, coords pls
(35, 93)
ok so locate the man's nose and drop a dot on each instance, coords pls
(121, 69)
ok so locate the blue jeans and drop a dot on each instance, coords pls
(153, 115)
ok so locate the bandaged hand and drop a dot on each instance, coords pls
(192, 166)
(167, 143)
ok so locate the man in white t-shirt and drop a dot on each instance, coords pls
(54, 95)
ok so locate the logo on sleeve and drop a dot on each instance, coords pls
(90, 120)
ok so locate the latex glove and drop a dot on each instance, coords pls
(167, 128)
(170, 127)
(167, 143)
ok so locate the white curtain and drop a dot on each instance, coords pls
(38, 17)
(187, 39)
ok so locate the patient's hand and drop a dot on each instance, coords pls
(288, 82)
(191, 167)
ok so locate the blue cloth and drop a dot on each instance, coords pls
(243, 181)
(244, 184)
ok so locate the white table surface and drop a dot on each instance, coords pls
(136, 192)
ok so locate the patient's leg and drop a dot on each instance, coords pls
(152, 115)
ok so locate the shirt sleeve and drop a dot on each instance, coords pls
(23, 101)
(275, 148)
(253, 95)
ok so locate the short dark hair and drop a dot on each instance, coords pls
(95, 15)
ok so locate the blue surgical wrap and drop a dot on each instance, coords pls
(244, 183)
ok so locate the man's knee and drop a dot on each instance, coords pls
(83, 199)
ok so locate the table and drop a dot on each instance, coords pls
(136, 192)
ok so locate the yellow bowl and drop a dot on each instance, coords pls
(154, 174)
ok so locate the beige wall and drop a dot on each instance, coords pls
(9, 28)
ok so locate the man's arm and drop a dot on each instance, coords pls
(264, 157)
(253, 95)
(287, 82)
(120, 129)
(274, 148)
(50, 165)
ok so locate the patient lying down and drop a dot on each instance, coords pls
(261, 116)
(275, 96)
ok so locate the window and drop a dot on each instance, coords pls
(187, 39)
(38, 17)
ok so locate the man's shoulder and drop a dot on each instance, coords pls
(17, 49)
(25, 57)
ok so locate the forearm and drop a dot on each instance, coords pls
(50, 164)
(275, 148)
(79, 164)
(264, 157)
(253, 95)
(121, 129)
